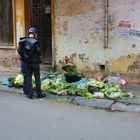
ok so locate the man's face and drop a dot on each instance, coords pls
(33, 35)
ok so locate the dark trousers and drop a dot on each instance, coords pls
(31, 69)
(22, 67)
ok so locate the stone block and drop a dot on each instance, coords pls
(97, 103)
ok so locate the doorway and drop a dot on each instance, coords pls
(41, 19)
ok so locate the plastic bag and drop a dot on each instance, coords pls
(99, 95)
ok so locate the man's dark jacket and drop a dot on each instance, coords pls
(29, 50)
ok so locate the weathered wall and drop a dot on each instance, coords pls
(20, 19)
(79, 32)
(123, 54)
(9, 58)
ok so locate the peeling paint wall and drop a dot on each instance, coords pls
(128, 66)
(9, 58)
(123, 51)
(20, 19)
(79, 32)
(79, 26)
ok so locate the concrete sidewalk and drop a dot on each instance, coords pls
(131, 105)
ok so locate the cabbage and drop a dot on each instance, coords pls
(18, 82)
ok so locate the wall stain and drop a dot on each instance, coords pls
(83, 57)
(74, 55)
(65, 26)
(134, 69)
(9, 61)
(72, 7)
(128, 65)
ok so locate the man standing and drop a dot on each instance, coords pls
(29, 52)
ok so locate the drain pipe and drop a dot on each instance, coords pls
(106, 24)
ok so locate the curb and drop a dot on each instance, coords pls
(113, 105)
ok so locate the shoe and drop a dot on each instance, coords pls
(41, 96)
(30, 97)
(25, 94)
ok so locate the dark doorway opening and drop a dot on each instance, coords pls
(41, 19)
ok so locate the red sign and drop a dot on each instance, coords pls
(125, 24)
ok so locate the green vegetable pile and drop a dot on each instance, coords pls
(87, 90)
(110, 90)
(58, 87)
(18, 82)
(83, 91)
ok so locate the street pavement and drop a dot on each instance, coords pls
(132, 105)
(25, 119)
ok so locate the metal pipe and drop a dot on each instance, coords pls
(106, 33)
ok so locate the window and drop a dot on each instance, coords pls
(6, 23)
